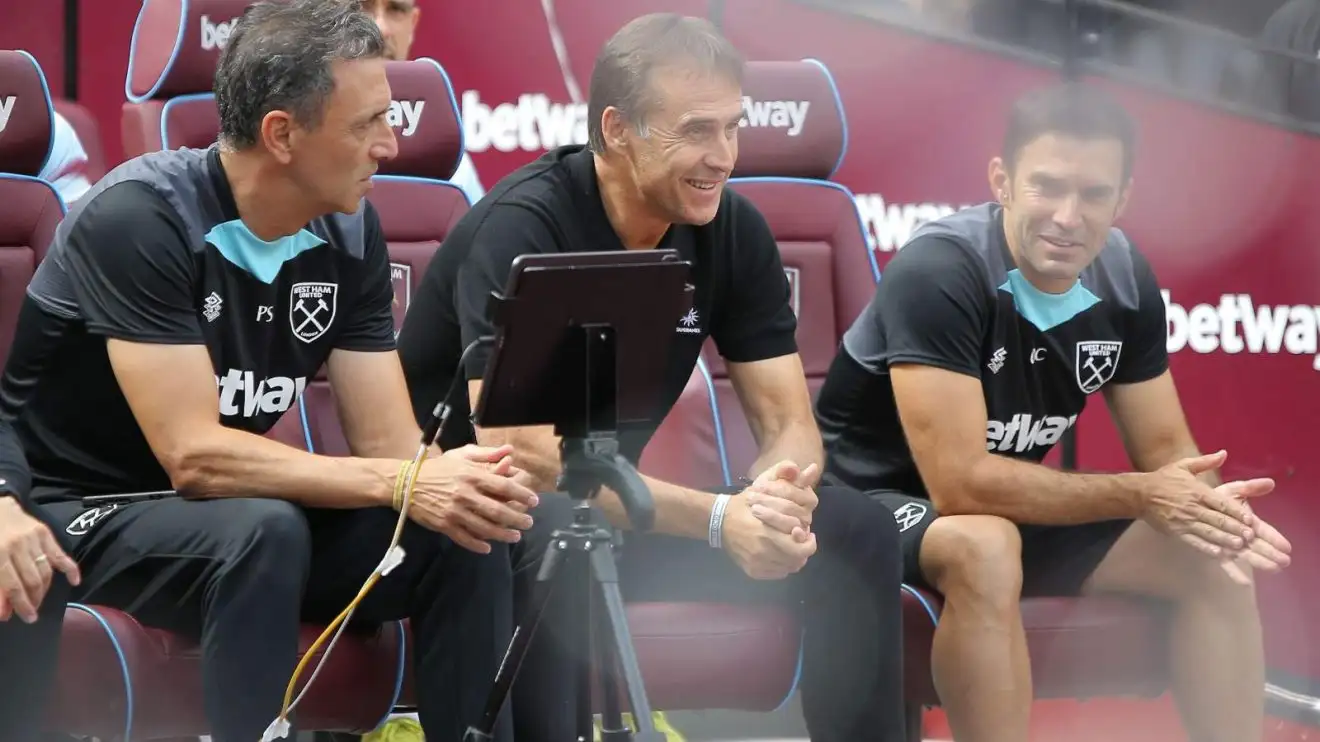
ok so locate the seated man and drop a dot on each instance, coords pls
(248, 266)
(666, 103)
(986, 336)
(32, 592)
(66, 168)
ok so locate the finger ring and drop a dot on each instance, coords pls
(40, 558)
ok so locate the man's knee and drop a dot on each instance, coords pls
(265, 536)
(974, 556)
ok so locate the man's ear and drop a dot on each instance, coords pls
(1123, 197)
(276, 134)
(1001, 184)
(614, 127)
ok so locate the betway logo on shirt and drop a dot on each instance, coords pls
(775, 114)
(533, 124)
(1238, 325)
(7, 104)
(1024, 432)
(216, 35)
(405, 115)
(890, 225)
(241, 393)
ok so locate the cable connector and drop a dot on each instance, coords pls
(392, 559)
(278, 729)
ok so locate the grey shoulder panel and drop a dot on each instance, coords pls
(348, 232)
(975, 229)
(1111, 276)
(181, 177)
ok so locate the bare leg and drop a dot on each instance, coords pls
(1218, 658)
(979, 660)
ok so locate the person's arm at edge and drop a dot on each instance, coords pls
(15, 477)
(128, 262)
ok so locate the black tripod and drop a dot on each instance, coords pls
(582, 556)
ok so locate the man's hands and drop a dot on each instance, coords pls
(1217, 521)
(28, 556)
(767, 528)
(471, 494)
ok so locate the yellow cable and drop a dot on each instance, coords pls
(404, 482)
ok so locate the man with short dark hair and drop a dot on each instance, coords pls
(665, 106)
(986, 336)
(183, 306)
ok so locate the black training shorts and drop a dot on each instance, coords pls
(1056, 560)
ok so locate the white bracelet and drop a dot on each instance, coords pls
(716, 530)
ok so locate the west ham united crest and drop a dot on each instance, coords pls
(1097, 360)
(312, 309)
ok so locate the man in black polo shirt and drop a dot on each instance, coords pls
(665, 110)
(987, 334)
(183, 306)
(35, 578)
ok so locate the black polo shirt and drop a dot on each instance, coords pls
(156, 253)
(554, 205)
(953, 298)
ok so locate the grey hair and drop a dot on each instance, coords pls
(622, 74)
(279, 58)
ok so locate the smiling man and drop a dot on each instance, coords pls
(988, 332)
(665, 106)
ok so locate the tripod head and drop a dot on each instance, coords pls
(595, 462)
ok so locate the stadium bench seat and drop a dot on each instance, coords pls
(32, 208)
(89, 134)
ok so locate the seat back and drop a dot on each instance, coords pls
(32, 209)
(793, 139)
(784, 166)
(417, 204)
(89, 134)
(171, 71)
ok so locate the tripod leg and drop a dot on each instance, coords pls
(620, 638)
(607, 667)
(522, 638)
(583, 647)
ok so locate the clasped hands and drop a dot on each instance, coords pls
(767, 528)
(474, 495)
(1216, 521)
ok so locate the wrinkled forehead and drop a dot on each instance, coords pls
(681, 92)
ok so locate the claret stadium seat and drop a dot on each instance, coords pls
(32, 208)
(171, 69)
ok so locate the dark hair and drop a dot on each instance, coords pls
(621, 75)
(279, 58)
(1071, 109)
